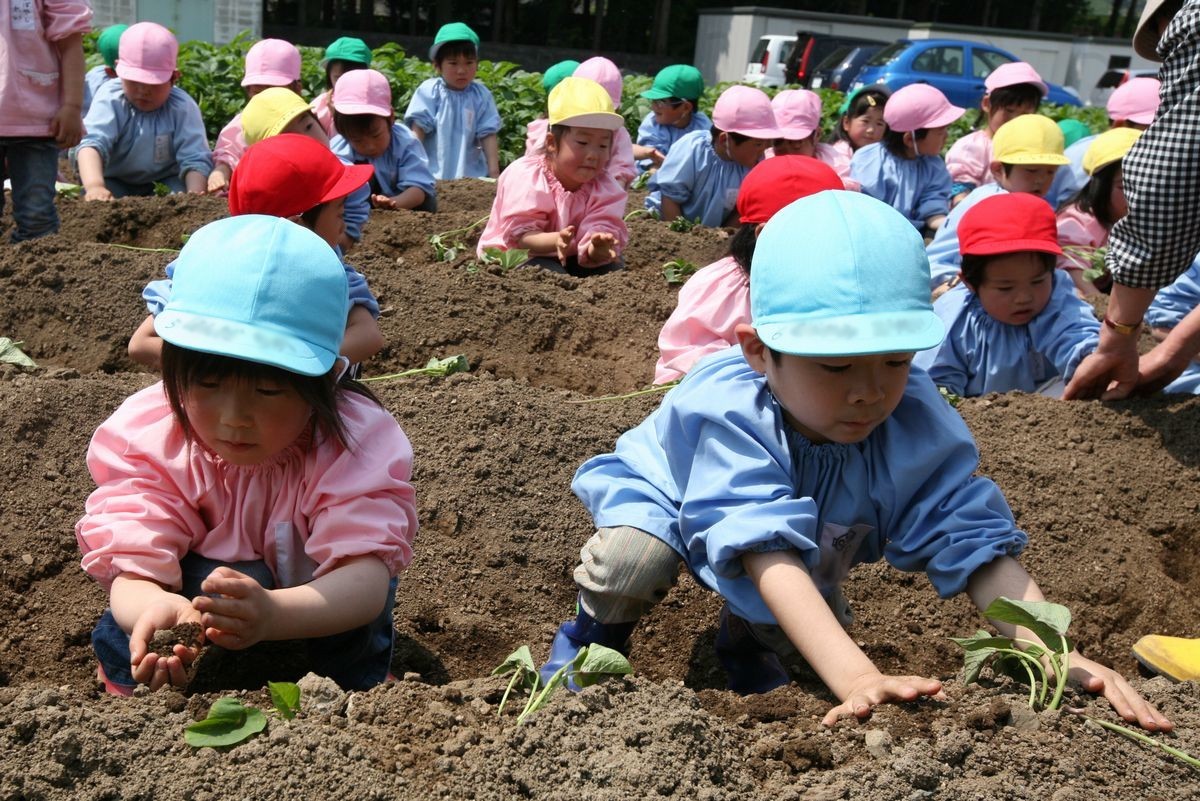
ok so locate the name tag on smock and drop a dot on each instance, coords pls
(22, 16)
(162, 148)
(731, 198)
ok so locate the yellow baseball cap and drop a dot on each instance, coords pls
(583, 103)
(1029, 139)
(1110, 146)
(269, 112)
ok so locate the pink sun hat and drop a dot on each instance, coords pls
(147, 54)
(272, 62)
(797, 112)
(1136, 100)
(917, 106)
(747, 111)
(363, 92)
(1012, 74)
(605, 73)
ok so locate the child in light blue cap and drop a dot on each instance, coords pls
(777, 466)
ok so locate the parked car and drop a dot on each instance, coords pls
(955, 66)
(1111, 80)
(779, 59)
(842, 66)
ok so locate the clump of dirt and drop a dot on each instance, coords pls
(1109, 493)
(186, 634)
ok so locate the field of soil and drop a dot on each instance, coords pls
(1109, 493)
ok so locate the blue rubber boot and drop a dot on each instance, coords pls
(751, 667)
(583, 630)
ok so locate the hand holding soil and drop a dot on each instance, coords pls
(158, 654)
(879, 688)
(240, 615)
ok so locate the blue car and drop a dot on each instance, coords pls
(955, 66)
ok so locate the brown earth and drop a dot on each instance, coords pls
(1110, 494)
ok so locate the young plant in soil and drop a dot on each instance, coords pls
(640, 182)
(591, 664)
(438, 368)
(229, 721)
(1021, 660)
(504, 259)
(683, 224)
(447, 245)
(678, 271)
(650, 390)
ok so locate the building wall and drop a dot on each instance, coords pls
(230, 17)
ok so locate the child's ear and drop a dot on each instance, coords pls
(997, 170)
(753, 348)
(985, 104)
(974, 289)
(910, 140)
(175, 76)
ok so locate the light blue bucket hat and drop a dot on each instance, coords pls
(842, 274)
(258, 288)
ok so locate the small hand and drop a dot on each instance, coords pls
(1126, 701)
(98, 192)
(599, 251)
(565, 236)
(148, 667)
(877, 688)
(383, 202)
(657, 157)
(239, 614)
(67, 127)
(217, 182)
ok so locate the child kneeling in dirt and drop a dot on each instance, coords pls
(256, 491)
(561, 205)
(773, 469)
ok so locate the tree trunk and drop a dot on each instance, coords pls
(1131, 18)
(1035, 15)
(598, 26)
(1114, 16)
(662, 27)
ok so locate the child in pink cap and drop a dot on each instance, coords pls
(798, 114)
(716, 300)
(562, 206)
(860, 120)
(906, 170)
(41, 93)
(700, 177)
(271, 62)
(144, 130)
(367, 133)
(1012, 89)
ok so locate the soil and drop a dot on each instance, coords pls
(1110, 494)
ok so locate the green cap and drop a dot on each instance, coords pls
(1073, 131)
(844, 109)
(554, 74)
(452, 32)
(109, 42)
(678, 80)
(347, 48)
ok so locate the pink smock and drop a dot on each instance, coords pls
(970, 159)
(712, 303)
(312, 505)
(839, 161)
(529, 199)
(231, 144)
(323, 111)
(620, 160)
(30, 67)
(1078, 229)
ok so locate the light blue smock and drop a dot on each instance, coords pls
(141, 148)
(701, 182)
(402, 165)
(981, 354)
(944, 256)
(917, 188)
(663, 137)
(93, 79)
(716, 472)
(1172, 303)
(1070, 178)
(454, 122)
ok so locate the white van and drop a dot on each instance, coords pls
(767, 62)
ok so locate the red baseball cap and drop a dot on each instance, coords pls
(1008, 223)
(777, 181)
(289, 174)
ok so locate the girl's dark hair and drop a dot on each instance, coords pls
(349, 125)
(974, 268)
(736, 137)
(347, 66)
(741, 247)
(455, 49)
(894, 141)
(1020, 94)
(858, 107)
(309, 218)
(183, 368)
(1095, 198)
(558, 131)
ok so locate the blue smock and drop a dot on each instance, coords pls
(402, 165)
(93, 79)
(1172, 303)
(663, 137)
(716, 472)
(701, 182)
(918, 188)
(454, 123)
(944, 256)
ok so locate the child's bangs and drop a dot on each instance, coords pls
(462, 48)
(1021, 94)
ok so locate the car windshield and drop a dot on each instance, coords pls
(759, 51)
(835, 58)
(984, 61)
(888, 54)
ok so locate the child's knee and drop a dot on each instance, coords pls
(626, 561)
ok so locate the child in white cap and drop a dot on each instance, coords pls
(773, 469)
(271, 62)
(798, 115)
(1010, 90)
(700, 177)
(906, 169)
(367, 133)
(561, 205)
(256, 491)
(143, 129)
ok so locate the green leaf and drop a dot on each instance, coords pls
(11, 354)
(228, 723)
(979, 649)
(594, 662)
(1049, 621)
(520, 659)
(285, 695)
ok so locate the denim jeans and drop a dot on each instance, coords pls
(357, 659)
(32, 165)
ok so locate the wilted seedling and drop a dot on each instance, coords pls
(438, 368)
(1088, 259)
(641, 181)
(591, 664)
(678, 270)
(447, 245)
(10, 353)
(505, 259)
(950, 397)
(683, 224)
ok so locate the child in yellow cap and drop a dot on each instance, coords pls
(562, 205)
(1026, 152)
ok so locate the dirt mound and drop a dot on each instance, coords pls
(1110, 495)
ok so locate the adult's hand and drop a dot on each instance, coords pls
(1111, 372)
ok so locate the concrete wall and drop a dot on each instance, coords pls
(230, 17)
(725, 39)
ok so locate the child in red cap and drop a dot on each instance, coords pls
(1015, 322)
(295, 177)
(716, 299)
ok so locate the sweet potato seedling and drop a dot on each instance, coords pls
(229, 721)
(438, 368)
(10, 353)
(505, 259)
(683, 224)
(591, 664)
(641, 181)
(678, 271)
(285, 696)
(447, 245)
